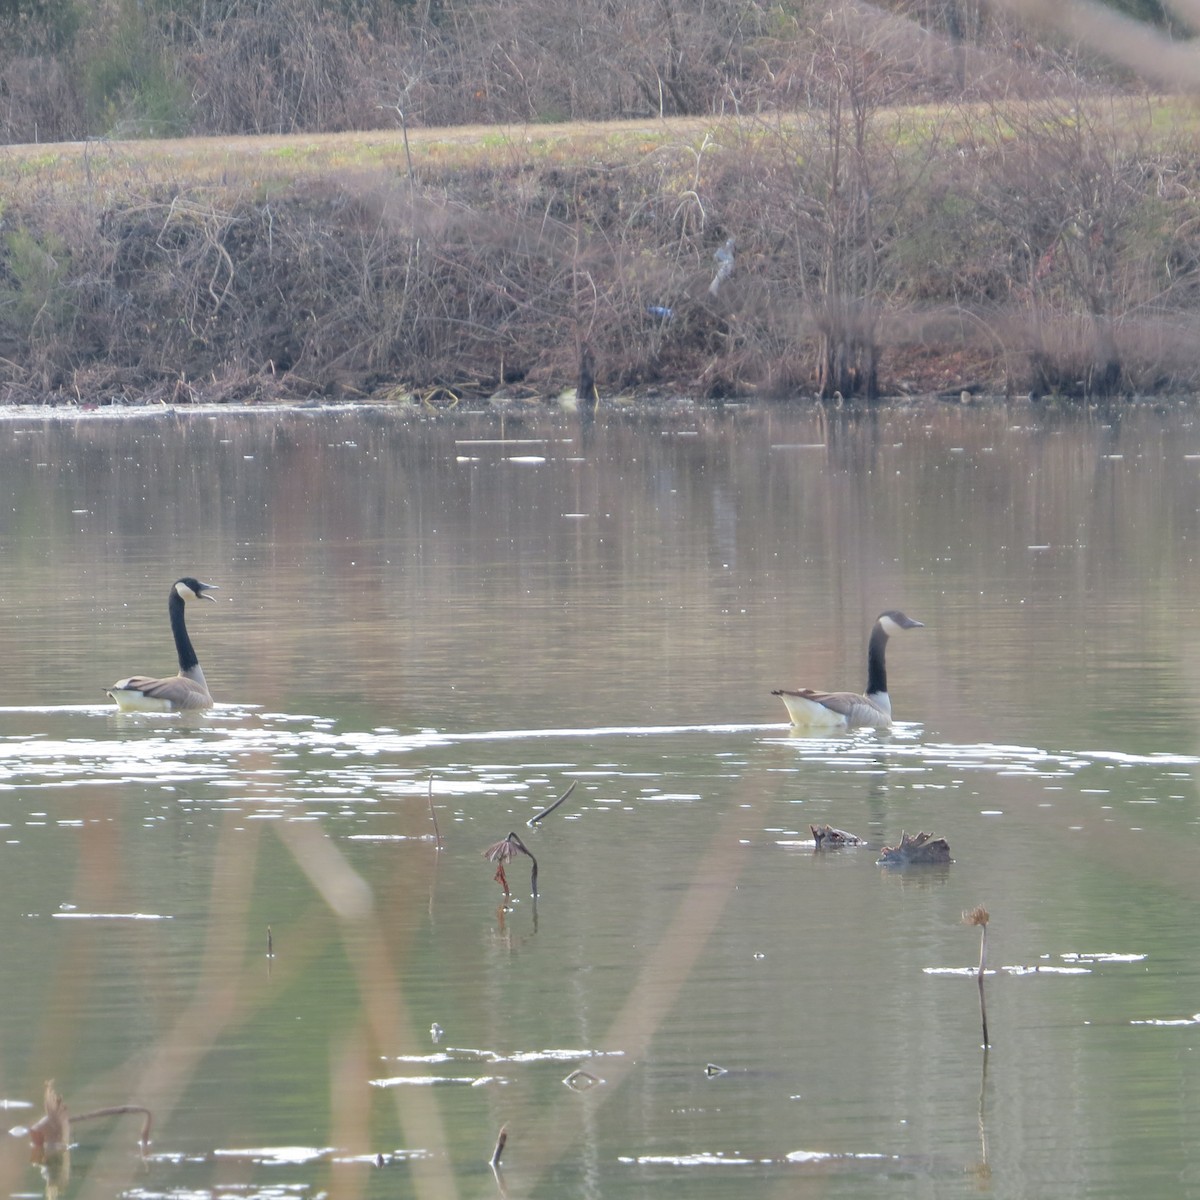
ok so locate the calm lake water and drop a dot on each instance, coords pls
(474, 613)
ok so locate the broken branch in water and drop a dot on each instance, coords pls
(501, 852)
(501, 1138)
(547, 811)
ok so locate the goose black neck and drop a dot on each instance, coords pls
(183, 644)
(876, 668)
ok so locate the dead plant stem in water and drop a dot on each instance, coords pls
(501, 1138)
(979, 916)
(547, 811)
(501, 852)
(437, 833)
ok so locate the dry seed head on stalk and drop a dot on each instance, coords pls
(977, 916)
(500, 852)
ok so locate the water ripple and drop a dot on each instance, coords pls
(246, 756)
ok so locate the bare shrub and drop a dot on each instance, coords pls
(819, 204)
(290, 66)
(1064, 191)
(1063, 257)
(594, 59)
(39, 99)
(168, 67)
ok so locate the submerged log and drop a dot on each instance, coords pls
(826, 836)
(921, 850)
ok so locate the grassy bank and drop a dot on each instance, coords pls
(1049, 247)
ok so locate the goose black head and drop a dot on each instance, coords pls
(188, 588)
(894, 621)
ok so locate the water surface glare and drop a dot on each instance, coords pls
(274, 924)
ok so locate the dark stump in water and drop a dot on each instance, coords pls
(825, 837)
(922, 850)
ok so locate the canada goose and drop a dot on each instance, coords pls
(184, 692)
(845, 710)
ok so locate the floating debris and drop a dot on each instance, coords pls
(825, 836)
(922, 850)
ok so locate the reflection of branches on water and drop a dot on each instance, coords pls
(498, 1175)
(502, 911)
(936, 875)
(370, 947)
(344, 906)
(982, 1169)
(231, 989)
(662, 971)
(851, 437)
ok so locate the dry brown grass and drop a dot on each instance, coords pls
(114, 165)
(111, 167)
